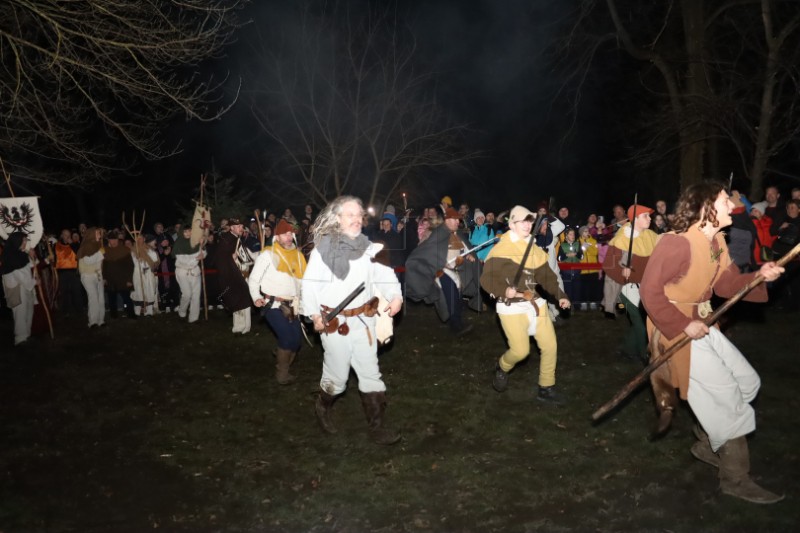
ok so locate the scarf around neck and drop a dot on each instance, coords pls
(338, 250)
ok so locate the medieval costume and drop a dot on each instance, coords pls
(232, 263)
(188, 274)
(275, 287)
(627, 272)
(118, 275)
(90, 266)
(712, 375)
(18, 284)
(145, 284)
(340, 262)
(523, 312)
(438, 273)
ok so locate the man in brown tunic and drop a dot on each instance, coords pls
(686, 266)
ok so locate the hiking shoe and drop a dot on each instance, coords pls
(550, 396)
(500, 381)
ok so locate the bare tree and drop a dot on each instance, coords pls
(721, 80)
(347, 111)
(83, 81)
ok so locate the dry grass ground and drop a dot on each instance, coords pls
(156, 424)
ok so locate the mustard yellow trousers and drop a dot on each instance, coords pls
(519, 344)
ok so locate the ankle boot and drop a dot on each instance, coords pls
(374, 407)
(734, 474)
(701, 450)
(322, 407)
(283, 359)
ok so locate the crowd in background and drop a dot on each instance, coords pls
(761, 231)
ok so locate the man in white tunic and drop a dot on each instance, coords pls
(339, 263)
(187, 273)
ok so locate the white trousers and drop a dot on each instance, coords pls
(241, 321)
(189, 282)
(23, 316)
(355, 351)
(96, 295)
(721, 386)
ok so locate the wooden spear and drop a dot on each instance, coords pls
(202, 248)
(664, 357)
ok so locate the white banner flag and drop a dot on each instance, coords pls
(201, 221)
(21, 214)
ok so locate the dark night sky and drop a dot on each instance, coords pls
(493, 73)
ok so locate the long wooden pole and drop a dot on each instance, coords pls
(202, 249)
(664, 357)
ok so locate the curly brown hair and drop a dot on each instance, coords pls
(690, 206)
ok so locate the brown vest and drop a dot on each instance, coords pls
(708, 261)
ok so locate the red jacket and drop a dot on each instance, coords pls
(764, 238)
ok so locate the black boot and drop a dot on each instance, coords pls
(549, 395)
(500, 381)
(322, 407)
(374, 407)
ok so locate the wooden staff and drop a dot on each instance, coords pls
(675, 348)
(36, 277)
(202, 248)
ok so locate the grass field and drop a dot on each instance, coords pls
(155, 424)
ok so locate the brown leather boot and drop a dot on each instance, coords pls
(374, 407)
(702, 448)
(734, 474)
(283, 359)
(322, 407)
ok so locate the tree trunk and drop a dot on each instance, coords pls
(697, 90)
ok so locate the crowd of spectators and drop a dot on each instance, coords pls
(761, 231)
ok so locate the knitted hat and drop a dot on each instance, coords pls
(478, 214)
(543, 205)
(390, 209)
(451, 213)
(640, 209)
(760, 206)
(519, 213)
(447, 201)
(233, 221)
(283, 227)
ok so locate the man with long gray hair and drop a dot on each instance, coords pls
(340, 262)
